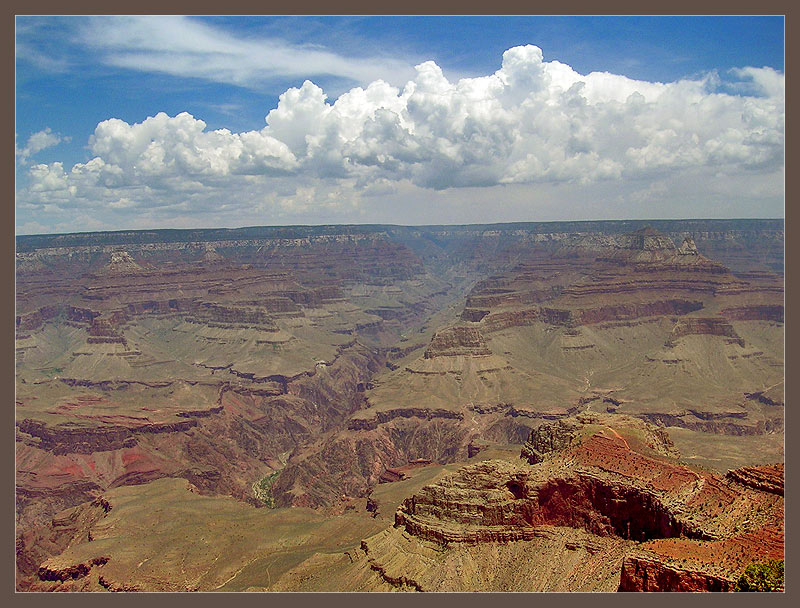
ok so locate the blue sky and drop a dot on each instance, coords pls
(583, 118)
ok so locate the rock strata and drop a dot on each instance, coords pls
(611, 481)
(454, 341)
(705, 326)
(653, 575)
(766, 478)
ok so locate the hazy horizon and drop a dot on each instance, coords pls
(377, 224)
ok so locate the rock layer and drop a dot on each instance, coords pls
(455, 341)
(596, 479)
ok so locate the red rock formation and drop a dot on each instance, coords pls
(35, 544)
(483, 503)
(643, 574)
(705, 326)
(393, 474)
(766, 478)
(696, 531)
(756, 312)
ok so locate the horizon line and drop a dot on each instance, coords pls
(379, 224)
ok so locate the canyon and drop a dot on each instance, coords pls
(566, 406)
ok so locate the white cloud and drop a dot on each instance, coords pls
(182, 46)
(37, 142)
(165, 147)
(47, 63)
(764, 81)
(49, 178)
(532, 122)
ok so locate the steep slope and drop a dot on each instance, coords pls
(606, 507)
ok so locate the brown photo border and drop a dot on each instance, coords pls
(362, 7)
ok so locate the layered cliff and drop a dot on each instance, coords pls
(688, 530)
(454, 341)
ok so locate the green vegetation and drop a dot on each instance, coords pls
(51, 371)
(263, 489)
(767, 576)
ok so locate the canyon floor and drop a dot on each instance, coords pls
(572, 406)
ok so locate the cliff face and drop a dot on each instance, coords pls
(457, 341)
(714, 326)
(230, 316)
(642, 574)
(552, 438)
(619, 277)
(485, 503)
(766, 478)
(553, 560)
(765, 312)
(582, 316)
(684, 527)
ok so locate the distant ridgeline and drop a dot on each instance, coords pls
(723, 240)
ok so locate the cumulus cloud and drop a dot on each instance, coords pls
(37, 142)
(162, 147)
(763, 81)
(531, 122)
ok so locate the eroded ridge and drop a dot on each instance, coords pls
(690, 530)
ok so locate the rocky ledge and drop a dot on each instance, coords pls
(454, 341)
(550, 439)
(766, 478)
(688, 530)
(704, 326)
(496, 502)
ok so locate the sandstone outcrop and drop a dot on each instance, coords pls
(458, 340)
(766, 478)
(653, 575)
(688, 247)
(487, 503)
(597, 477)
(552, 438)
(705, 326)
(121, 263)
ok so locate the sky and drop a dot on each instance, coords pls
(141, 122)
